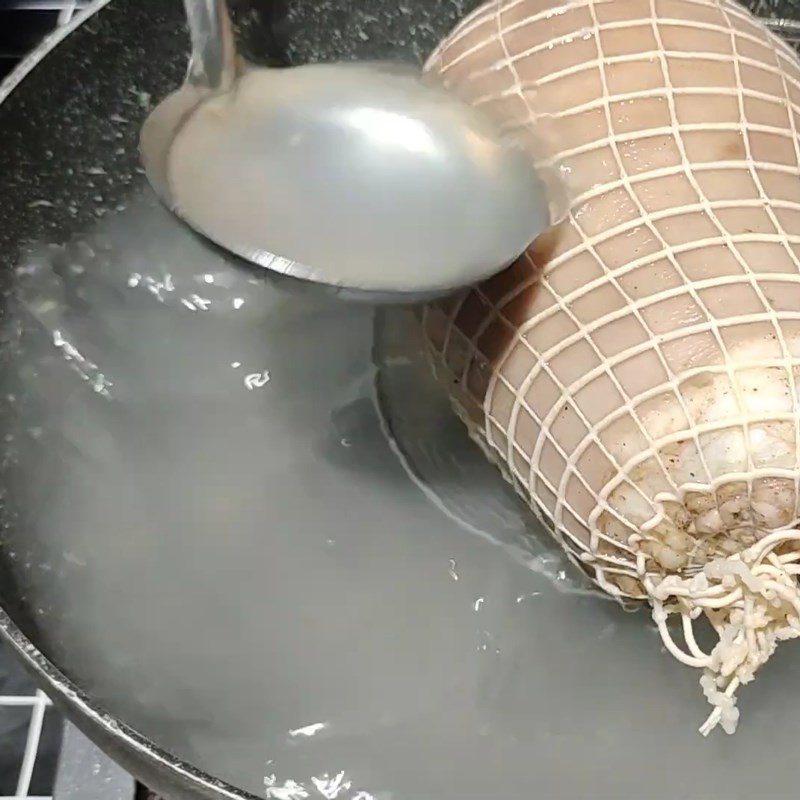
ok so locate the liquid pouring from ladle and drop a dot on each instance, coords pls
(359, 176)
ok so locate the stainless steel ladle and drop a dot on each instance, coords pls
(366, 177)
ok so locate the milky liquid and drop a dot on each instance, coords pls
(361, 173)
(237, 520)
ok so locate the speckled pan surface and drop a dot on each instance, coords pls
(244, 522)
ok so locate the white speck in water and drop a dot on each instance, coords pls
(208, 278)
(330, 542)
(96, 768)
(143, 98)
(40, 204)
(101, 384)
(487, 643)
(330, 788)
(452, 569)
(345, 443)
(188, 304)
(478, 604)
(238, 302)
(203, 303)
(153, 285)
(95, 171)
(309, 730)
(236, 364)
(290, 790)
(257, 380)
(87, 369)
(561, 575)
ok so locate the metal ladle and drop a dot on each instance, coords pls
(366, 177)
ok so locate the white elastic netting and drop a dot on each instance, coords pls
(752, 599)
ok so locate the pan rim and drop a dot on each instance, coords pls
(62, 690)
(68, 696)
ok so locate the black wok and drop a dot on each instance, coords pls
(243, 542)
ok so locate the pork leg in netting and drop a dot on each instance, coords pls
(635, 374)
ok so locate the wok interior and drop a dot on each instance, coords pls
(234, 559)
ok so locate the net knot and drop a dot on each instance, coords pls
(752, 601)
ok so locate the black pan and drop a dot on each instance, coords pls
(243, 541)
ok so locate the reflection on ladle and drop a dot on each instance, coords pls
(362, 177)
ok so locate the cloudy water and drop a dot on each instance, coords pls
(244, 519)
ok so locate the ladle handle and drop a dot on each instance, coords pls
(213, 60)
